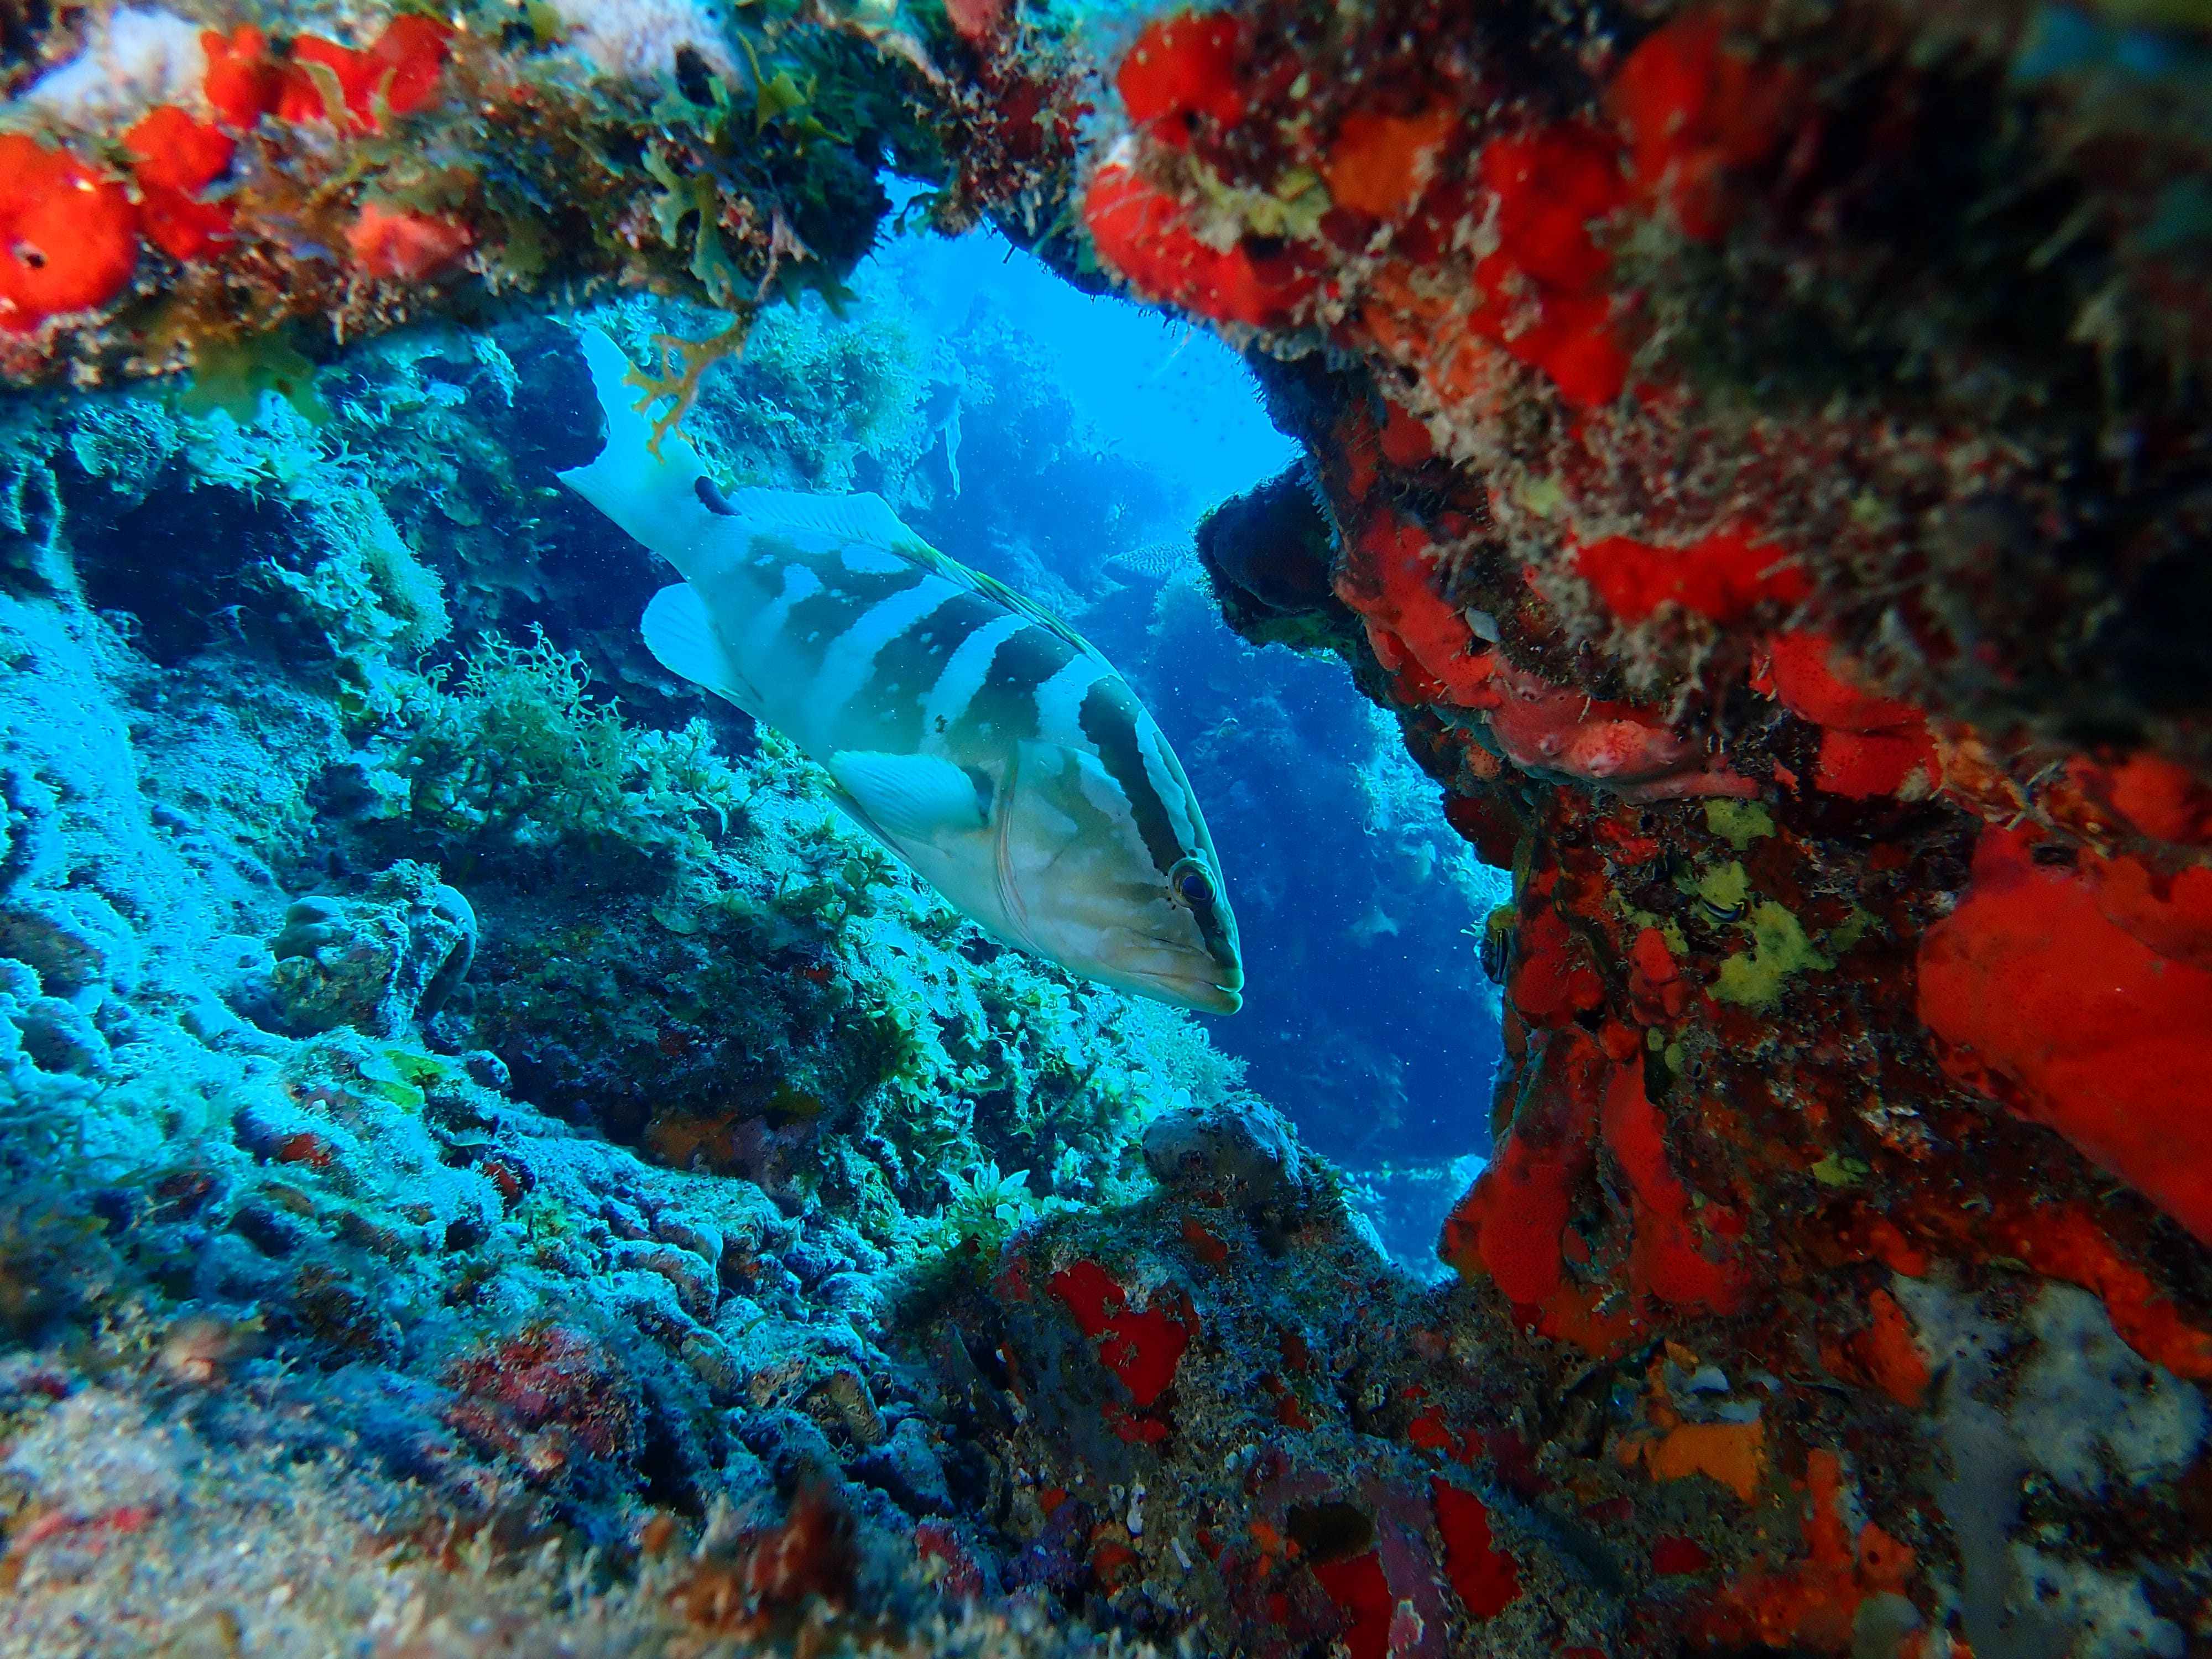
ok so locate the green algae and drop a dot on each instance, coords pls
(1678, 942)
(984, 1210)
(1738, 822)
(234, 375)
(519, 757)
(1779, 949)
(1844, 938)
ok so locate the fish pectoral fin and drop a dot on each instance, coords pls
(853, 810)
(912, 798)
(682, 638)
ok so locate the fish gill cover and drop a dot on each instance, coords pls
(495, 1161)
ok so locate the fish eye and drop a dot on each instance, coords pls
(1190, 881)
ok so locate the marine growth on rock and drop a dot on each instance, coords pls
(497, 1158)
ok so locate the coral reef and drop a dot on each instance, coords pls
(422, 1068)
(1656, 479)
(206, 190)
(1755, 454)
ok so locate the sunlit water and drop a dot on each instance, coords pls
(1360, 908)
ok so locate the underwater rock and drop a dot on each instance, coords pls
(73, 940)
(1269, 552)
(549, 1398)
(54, 1036)
(792, 1446)
(1203, 1417)
(1241, 1154)
(377, 963)
(99, 1459)
(907, 1467)
(1798, 586)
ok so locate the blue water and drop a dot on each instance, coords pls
(1360, 908)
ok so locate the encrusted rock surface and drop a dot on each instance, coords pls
(1758, 453)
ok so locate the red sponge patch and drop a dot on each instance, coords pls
(68, 235)
(1693, 109)
(1486, 1579)
(1140, 231)
(1723, 577)
(401, 68)
(174, 158)
(243, 81)
(1554, 980)
(1141, 1346)
(1182, 68)
(2169, 911)
(1873, 745)
(2076, 1022)
(1546, 299)
(1668, 1258)
(405, 246)
(1509, 1224)
(1390, 578)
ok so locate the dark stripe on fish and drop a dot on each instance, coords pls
(1008, 699)
(845, 597)
(1108, 718)
(908, 668)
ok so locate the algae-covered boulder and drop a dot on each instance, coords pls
(377, 963)
(1237, 1153)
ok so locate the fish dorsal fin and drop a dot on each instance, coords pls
(682, 638)
(912, 798)
(868, 521)
(991, 588)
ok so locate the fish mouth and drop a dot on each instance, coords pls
(1194, 990)
(1168, 971)
(1219, 999)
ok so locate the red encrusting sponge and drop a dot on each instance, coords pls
(1546, 300)
(243, 80)
(1141, 231)
(1668, 1258)
(2041, 997)
(174, 159)
(401, 68)
(405, 245)
(1722, 576)
(1182, 69)
(1871, 745)
(69, 234)
(1694, 110)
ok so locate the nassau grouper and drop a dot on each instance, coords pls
(973, 733)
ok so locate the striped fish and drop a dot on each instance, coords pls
(973, 735)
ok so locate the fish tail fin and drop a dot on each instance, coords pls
(656, 499)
